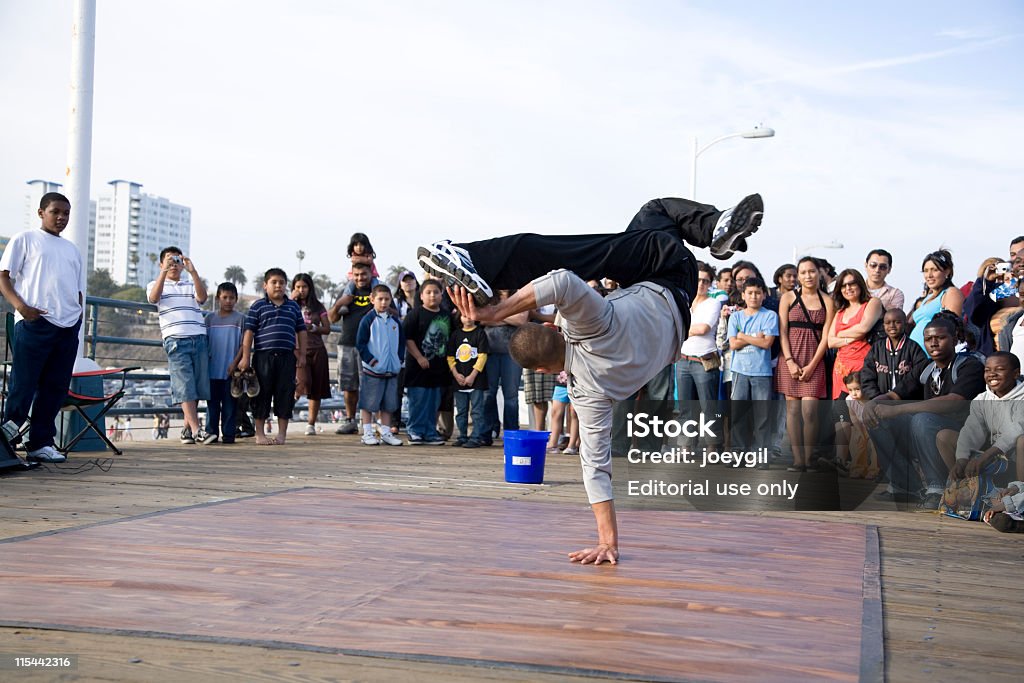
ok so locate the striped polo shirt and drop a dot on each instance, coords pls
(180, 315)
(274, 327)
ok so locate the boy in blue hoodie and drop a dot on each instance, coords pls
(380, 341)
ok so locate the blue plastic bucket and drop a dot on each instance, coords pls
(524, 456)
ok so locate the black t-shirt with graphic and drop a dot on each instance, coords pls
(430, 331)
(359, 307)
(465, 347)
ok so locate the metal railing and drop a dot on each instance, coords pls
(93, 338)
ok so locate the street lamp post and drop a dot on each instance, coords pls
(753, 133)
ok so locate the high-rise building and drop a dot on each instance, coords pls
(131, 229)
(31, 220)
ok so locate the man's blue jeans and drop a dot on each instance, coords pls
(902, 439)
(44, 358)
(221, 409)
(504, 372)
(471, 402)
(750, 397)
(423, 405)
(693, 382)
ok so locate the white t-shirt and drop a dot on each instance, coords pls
(1017, 346)
(180, 315)
(708, 312)
(47, 274)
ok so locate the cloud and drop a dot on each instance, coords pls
(809, 75)
(965, 33)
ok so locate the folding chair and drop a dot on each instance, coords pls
(78, 402)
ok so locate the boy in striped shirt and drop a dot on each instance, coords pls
(273, 328)
(178, 292)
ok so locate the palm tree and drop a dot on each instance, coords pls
(326, 287)
(257, 283)
(133, 258)
(301, 255)
(236, 274)
(391, 279)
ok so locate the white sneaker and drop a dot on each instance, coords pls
(310, 430)
(455, 267)
(735, 225)
(390, 439)
(370, 440)
(46, 454)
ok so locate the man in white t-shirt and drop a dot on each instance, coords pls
(41, 276)
(178, 292)
(877, 266)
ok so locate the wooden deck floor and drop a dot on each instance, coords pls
(949, 589)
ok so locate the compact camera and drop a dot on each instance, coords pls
(1002, 268)
(177, 259)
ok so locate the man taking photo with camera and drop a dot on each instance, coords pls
(178, 292)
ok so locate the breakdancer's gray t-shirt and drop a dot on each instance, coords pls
(614, 346)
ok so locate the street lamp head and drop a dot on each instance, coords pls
(760, 132)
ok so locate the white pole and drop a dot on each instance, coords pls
(83, 53)
(693, 170)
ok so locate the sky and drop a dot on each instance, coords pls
(289, 126)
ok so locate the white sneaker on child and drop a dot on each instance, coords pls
(390, 439)
(370, 440)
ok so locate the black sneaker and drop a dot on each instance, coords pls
(735, 225)
(186, 436)
(472, 443)
(237, 385)
(454, 266)
(204, 438)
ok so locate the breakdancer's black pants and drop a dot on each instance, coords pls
(651, 249)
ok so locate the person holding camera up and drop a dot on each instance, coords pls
(992, 299)
(178, 292)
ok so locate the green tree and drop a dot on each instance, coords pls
(236, 274)
(301, 255)
(99, 283)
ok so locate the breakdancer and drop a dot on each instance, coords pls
(609, 347)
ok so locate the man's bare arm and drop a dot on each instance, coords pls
(607, 548)
(523, 300)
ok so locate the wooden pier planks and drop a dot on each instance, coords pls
(697, 597)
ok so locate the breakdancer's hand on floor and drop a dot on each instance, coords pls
(599, 554)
